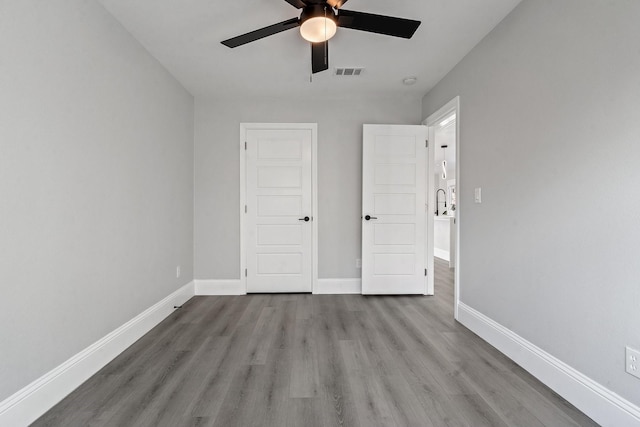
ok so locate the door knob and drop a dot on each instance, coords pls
(368, 217)
(305, 219)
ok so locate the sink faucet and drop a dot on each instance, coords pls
(437, 203)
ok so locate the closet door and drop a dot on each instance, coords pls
(279, 210)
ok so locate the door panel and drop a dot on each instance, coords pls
(280, 264)
(394, 234)
(279, 177)
(279, 235)
(279, 194)
(393, 197)
(394, 204)
(279, 206)
(395, 174)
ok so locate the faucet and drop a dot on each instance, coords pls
(437, 202)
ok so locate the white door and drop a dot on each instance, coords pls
(279, 210)
(393, 209)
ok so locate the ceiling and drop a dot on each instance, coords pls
(185, 37)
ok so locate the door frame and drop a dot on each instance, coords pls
(313, 127)
(430, 122)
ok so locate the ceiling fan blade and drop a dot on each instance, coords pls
(261, 33)
(380, 24)
(336, 4)
(319, 57)
(299, 4)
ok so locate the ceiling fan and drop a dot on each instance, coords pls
(319, 21)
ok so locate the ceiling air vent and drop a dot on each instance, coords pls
(349, 71)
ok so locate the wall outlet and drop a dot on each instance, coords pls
(177, 272)
(632, 362)
(358, 263)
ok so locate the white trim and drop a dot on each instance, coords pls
(338, 286)
(441, 253)
(601, 404)
(243, 202)
(314, 201)
(313, 127)
(220, 287)
(430, 208)
(448, 108)
(237, 287)
(28, 404)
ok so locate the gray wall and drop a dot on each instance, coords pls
(217, 192)
(550, 121)
(96, 183)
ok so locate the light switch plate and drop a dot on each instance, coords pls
(478, 195)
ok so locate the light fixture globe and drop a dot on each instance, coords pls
(318, 24)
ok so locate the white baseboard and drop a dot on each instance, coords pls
(28, 404)
(601, 404)
(338, 286)
(441, 253)
(237, 287)
(220, 287)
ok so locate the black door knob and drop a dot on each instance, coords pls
(305, 219)
(368, 217)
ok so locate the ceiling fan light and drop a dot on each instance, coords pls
(318, 29)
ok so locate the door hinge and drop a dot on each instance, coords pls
(426, 143)
(425, 271)
(245, 208)
(245, 272)
(245, 145)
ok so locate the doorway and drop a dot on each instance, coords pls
(278, 207)
(444, 217)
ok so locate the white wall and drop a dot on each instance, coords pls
(96, 183)
(550, 125)
(217, 197)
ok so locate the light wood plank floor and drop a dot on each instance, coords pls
(303, 360)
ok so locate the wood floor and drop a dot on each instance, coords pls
(314, 360)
